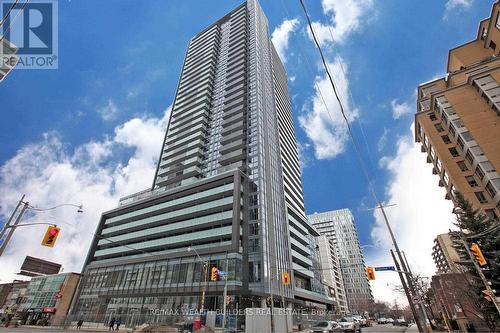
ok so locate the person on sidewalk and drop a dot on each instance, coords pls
(118, 323)
(79, 324)
(112, 324)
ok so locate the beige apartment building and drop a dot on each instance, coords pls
(458, 119)
(444, 255)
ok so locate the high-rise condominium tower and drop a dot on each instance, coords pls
(227, 192)
(338, 225)
(457, 119)
(332, 272)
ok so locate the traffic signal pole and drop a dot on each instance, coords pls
(404, 268)
(480, 273)
(12, 227)
(407, 291)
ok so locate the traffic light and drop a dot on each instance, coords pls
(213, 274)
(285, 278)
(50, 236)
(478, 254)
(370, 273)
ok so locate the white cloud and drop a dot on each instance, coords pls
(281, 35)
(326, 128)
(420, 215)
(382, 142)
(50, 174)
(345, 17)
(109, 111)
(400, 109)
(456, 5)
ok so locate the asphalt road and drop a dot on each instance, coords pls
(389, 328)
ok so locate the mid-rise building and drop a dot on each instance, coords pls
(339, 227)
(332, 273)
(15, 298)
(227, 193)
(445, 256)
(48, 298)
(457, 119)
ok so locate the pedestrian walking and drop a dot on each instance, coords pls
(79, 324)
(118, 323)
(112, 324)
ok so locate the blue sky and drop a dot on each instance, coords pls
(99, 116)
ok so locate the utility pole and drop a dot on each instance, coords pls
(225, 295)
(403, 266)
(407, 292)
(12, 227)
(4, 229)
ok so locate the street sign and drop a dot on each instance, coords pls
(222, 274)
(385, 268)
(285, 278)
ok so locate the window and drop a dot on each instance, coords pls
(452, 130)
(477, 151)
(480, 197)
(449, 110)
(454, 152)
(491, 214)
(472, 181)
(433, 116)
(493, 45)
(254, 229)
(438, 165)
(462, 166)
(467, 136)
(445, 177)
(491, 190)
(446, 139)
(479, 172)
(439, 128)
(253, 271)
(253, 245)
(469, 158)
(487, 167)
(461, 143)
(458, 123)
(497, 23)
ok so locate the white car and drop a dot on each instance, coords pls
(389, 320)
(381, 320)
(349, 324)
(362, 321)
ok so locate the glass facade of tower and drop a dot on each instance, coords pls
(227, 192)
(339, 226)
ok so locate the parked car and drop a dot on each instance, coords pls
(362, 321)
(400, 322)
(389, 320)
(382, 320)
(325, 327)
(349, 324)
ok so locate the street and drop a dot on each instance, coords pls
(386, 328)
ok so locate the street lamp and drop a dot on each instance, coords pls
(13, 223)
(205, 264)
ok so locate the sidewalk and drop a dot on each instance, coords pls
(73, 328)
(414, 329)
